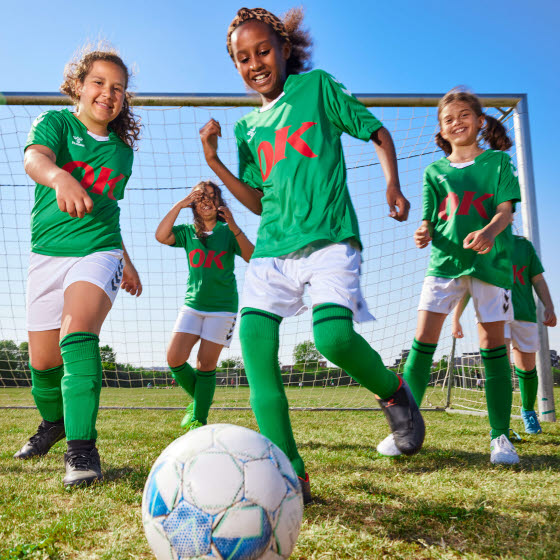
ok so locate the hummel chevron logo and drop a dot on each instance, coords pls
(251, 133)
(78, 141)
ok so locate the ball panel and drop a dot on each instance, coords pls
(288, 524)
(158, 541)
(264, 484)
(242, 442)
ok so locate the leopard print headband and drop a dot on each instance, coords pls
(260, 14)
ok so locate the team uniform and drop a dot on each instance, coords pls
(211, 300)
(66, 249)
(308, 237)
(523, 330)
(458, 200)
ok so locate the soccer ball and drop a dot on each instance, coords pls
(222, 492)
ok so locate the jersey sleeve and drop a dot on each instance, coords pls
(344, 111)
(249, 171)
(508, 184)
(429, 199)
(47, 130)
(180, 232)
(535, 265)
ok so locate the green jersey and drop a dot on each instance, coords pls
(461, 199)
(102, 166)
(211, 285)
(526, 265)
(291, 150)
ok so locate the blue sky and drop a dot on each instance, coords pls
(401, 47)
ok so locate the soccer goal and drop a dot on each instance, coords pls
(170, 161)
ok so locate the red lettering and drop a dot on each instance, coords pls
(518, 274)
(272, 155)
(193, 254)
(88, 177)
(453, 199)
(216, 258)
(103, 180)
(468, 201)
(265, 149)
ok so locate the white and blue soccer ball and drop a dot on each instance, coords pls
(222, 492)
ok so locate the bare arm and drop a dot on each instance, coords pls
(398, 204)
(247, 195)
(541, 287)
(456, 329)
(130, 279)
(39, 163)
(245, 245)
(164, 232)
(483, 239)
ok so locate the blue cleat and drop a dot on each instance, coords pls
(531, 422)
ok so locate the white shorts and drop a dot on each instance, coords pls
(48, 277)
(214, 326)
(441, 295)
(523, 335)
(331, 274)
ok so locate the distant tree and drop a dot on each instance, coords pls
(306, 352)
(108, 354)
(235, 362)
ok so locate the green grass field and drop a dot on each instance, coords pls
(447, 502)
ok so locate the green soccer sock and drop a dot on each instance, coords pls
(81, 384)
(203, 394)
(47, 392)
(259, 334)
(186, 377)
(498, 389)
(418, 368)
(336, 339)
(528, 386)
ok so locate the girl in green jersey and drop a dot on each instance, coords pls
(292, 173)
(467, 207)
(210, 309)
(81, 162)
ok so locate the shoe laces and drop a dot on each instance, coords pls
(80, 461)
(41, 430)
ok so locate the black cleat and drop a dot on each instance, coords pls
(82, 467)
(404, 419)
(305, 489)
(48, 433)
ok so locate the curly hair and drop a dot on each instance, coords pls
(493, 133)
(126, 126)
(218, 201)
(287, 29)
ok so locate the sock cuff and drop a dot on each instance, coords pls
(424, 347)
(267, 314)
(259, 324)
(81, 345)
(43, 372)
(179, 369)
(493, 353)
(526, 374)
(331, 312)
(200, 373)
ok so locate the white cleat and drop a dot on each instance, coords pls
(502, 451)
(388, 448)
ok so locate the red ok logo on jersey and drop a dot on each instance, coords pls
(518, 274)
(463, 207)
(270, 155)
(198, 258)
(89, 176)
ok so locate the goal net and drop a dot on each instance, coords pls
(168, 163)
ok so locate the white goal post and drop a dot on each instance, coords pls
(170, 160)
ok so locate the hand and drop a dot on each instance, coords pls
(422, 237)
(398, 204)
(72, 198)
(226, 214)
(131, 280)
(479, 241)
(457, 330)
(209, 137)
(549, 317)
(191, 199)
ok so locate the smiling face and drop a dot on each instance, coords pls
(207, 206)
(101, 95)
(260, 58)
(459, 124)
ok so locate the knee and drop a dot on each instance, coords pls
(204, 364)
(42, 363)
